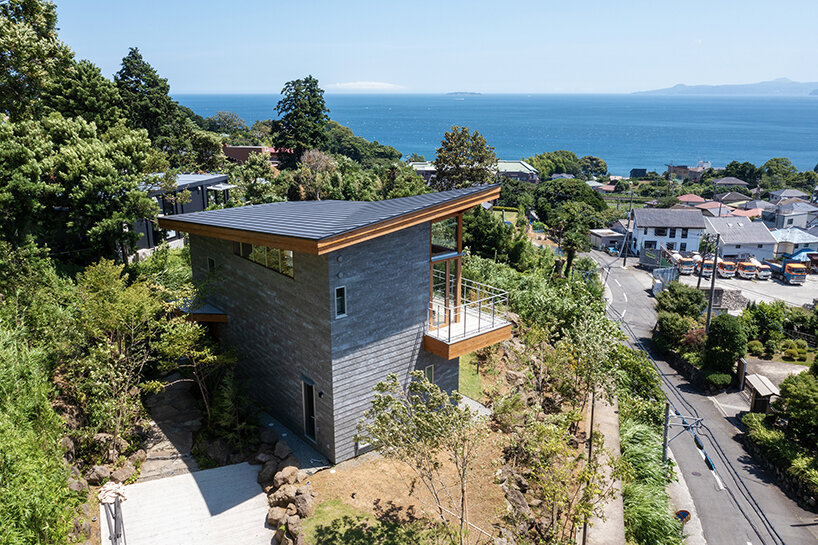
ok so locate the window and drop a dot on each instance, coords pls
(446, 236)
(672, 233)
(671, 246)
(660, 231)
(683, 247)
(684, 233)
(429, 373)
(280, 261)
(650, 244)
(738, 245)
(760, 245)
(646, 230)
(340, 301)
(789, 222)
(211, 265)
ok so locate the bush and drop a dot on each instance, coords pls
(771, 346)
(726, 343)
(693, 358)
(755, 348)
(791, 354)
(798, 404)
(681, 299)
(801, 345)
(719, 380)
(671, 329)
(789, 344)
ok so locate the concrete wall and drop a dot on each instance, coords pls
(387, 285)
(766, 251)
(279, 328)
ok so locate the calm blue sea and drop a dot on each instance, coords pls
(628, 131)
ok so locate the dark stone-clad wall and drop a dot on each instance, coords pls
(279, 328)
(387, 284)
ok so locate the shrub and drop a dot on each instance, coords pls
(798, 404)
(791, 354)
(789, 344)
(801, 345)
(671, 328)
(693, 358)
(726, 343)
(694, 339)
(681, 299)
(755, 348)
(771, 346)
(719, 380)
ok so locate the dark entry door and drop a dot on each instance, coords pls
(309, 410)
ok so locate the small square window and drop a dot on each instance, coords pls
(683, 247)
(429, 373)
(340, 301)
(211, 264)
(760, 245)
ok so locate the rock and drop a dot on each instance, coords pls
(97, 474)
(517, 500)
(515, 377)
(262, 458)
(301, 476)
(77, 485)
(291, 510)
(81, 528)
(75, 472)
(84, 510)
(289, 461)
(281, 533)
(305, 501)
(294, 526)
(67, 445)
(137, 457)
(219, 451)
(268, 435)
(237, 458)
(123, 473)
(288, 475)
(268, 471)
(108, 440)
(268, 488)
(282, 450)
(283, 496)
(276, 517)
(500, 541)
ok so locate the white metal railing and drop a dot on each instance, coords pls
(478, 309)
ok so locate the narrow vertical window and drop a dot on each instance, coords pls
(340, 301)
(211, 264)
(429, 373)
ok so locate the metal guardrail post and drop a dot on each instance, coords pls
(449, 311)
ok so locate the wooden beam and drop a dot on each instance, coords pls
(469, 344)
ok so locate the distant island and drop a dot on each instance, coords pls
(778, 87)
(464, 93)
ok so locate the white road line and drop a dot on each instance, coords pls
(623, 313)
(625, 295)
(617, 282)
(718, 481)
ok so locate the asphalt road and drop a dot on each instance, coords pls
(739, 503)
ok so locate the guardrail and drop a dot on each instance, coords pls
(476, 308)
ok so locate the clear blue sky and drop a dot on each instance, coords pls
(545, 46)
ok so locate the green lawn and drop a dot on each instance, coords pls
(471, 383)
(335, 522)
(510, 216)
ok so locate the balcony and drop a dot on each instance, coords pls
(464, 315)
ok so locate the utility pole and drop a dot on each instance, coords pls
(667, 426)
(628, 232)
(701, 263)
(712, 285)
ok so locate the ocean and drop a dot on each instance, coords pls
(627, 131)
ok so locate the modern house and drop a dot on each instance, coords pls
(792, 240)
(517, 170)
(742, 238)
(674, 229)
(323, 299)
(191, 193)
(791, 212)
(424, 169)
(687, 172)
(763, 205)
(638, 172)
(729, 181)
(781, 194)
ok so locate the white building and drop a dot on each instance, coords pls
(675, 229)
(742, 238)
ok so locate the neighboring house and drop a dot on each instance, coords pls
(791, 212)
(763, 205)
(794, 239)
(690, 199)
(751, 213)
(517, 170)
(684, 171)
(321, 300)
(731, 197)
(742, 238)
(606, 188)
(202, 190)
(675, 229)
(239, 154)
(714, 209)
(781, 194)
(593, 185)
(638, 172)
(602, 239)
(729, 181)
(425, 169)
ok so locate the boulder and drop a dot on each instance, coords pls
(286, 540)
(262, 458)
(77, 485)
(67, 445)
(291, 510)
(282, 450)
(97, 474)
(84, 510)
(108, 440)
(268, 435)
(268, 471)
(301, 476)
(123, 473)
(283, 496)
(276, 517)
(219, 451)
(516, 499)
(81, 529)
(305, 501)
(137, 457)
(515, 377)
(289, 461)
(288, 475)
(294, 526)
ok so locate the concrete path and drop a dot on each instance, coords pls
(311, 460)
(475, 406)
(211, 507)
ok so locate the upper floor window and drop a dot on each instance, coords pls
(446, 236)
(340, 301)
(278, 260)
(660, 231)
(684, 233)
(672, 233)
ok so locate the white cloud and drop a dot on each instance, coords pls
(375, 86)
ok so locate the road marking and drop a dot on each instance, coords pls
(625, 295)
(623, 313)
(718, 481)
(719, 407)
(617, 282)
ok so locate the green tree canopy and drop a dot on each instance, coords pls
(726, 343)
(681, 299)
(743, 171)
(303, 118)
(592, 166)
(82, 91)
(798, 404)
(341, 141)
(556, 162)
(31, 55)
(463, 159)
(225, 122)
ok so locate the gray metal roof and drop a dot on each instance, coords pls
(785, 193)
(515, 166)
(794, 235)
(764, 205)
(316, 220)
(730, 180)
(668, 217)
(762, 385)
(737, 230)
(185, 181)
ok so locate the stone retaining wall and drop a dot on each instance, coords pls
(791, 485)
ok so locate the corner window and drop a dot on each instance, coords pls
(281, 261)
(429, 373)
(650, 244)
(340, 301)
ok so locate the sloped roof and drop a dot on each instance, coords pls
(796, 206)
(732, 196)
(317, 226)
(735, 230)
(729, 181)
(764, 205)
(786, 193)
(751, 213)
(691, 198)
(667, 217)
(794, 235)
(515, 166)
(712, 204)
